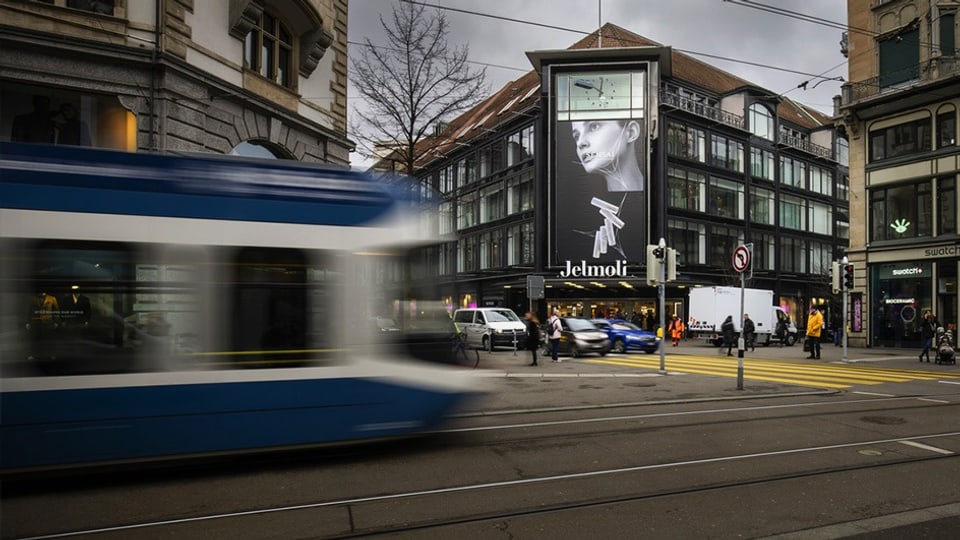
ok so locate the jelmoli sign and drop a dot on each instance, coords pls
(582, 269)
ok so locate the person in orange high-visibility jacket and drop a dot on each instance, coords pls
(676, 328)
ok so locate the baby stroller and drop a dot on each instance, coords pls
(945, 352)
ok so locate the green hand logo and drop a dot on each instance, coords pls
(900, 225)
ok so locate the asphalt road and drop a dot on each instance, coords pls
(568, 450)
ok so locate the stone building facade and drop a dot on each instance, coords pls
(251, 77)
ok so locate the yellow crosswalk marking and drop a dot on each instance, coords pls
(819, 375)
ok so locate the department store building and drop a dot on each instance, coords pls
(724, 162)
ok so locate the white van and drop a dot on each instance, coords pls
(491, 327)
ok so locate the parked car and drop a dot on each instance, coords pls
(579, 336)
(489, 328)
(626, 336)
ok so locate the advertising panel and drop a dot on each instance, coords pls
(601, 168)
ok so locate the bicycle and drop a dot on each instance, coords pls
(460, 349)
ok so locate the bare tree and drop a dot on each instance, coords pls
(411, 84)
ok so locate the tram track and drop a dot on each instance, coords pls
(360, 509)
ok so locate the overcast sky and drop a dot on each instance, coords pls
(714, 27)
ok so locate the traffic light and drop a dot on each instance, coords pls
(836, 276)
(654, 260)
(848, 276)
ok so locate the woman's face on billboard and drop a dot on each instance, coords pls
(600, 143)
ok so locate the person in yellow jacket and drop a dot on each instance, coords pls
(814, 327)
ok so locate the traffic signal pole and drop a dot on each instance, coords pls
(846, 312)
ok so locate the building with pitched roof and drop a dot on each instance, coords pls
(714, 161)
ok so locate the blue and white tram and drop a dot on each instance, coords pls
(155, 307)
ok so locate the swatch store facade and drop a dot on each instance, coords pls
(903, 290)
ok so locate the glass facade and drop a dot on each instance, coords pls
(901, 293)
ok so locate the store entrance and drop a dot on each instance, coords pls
(641, 311)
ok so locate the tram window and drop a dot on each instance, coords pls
(91, 308)
(279, 312)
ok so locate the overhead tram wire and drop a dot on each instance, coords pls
(585, 33)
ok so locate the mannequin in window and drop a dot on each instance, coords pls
(36, 127)
(70, 130)
(75, 309)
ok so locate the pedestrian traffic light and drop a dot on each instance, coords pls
(848, 276)
(836, 276)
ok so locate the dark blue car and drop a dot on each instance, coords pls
(626, 336)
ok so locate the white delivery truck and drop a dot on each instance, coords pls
(709, 306)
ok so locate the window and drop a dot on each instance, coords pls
(947, 127)
(520, 193)
(948, 38)
(102, 7)
(843, 230)
(689, 239)
(764, 251)
(821, 180)
(900, 58)
(520, 244)
(520, 146)
(448, 254)
(491, 203)
(686, 142)
(687, 189)
(793, 213)
(900, 140)
(821, 257)
(723, 240)
(725, 198)
(762, 206)
(843, 188)
(491, 159)
(761, 163)
(793, 255)
(947, 205)
(269, 50)
(821, 218)
(726, 153)
(901, 212)
(447, 179)
(761, 121)
(467, 254)
(793, 172)
(490, 249)
(843, 151)
(467, 211)
(446, 217)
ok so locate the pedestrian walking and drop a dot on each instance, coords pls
(814, 328)
(533, 335)
(928, 327)
(555, 331)
(676, 329)
(749, 332)
(729, 334)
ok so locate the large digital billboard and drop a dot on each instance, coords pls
(601, 170)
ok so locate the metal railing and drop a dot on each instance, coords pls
(805, 145)
(701, 109)
(930, 70)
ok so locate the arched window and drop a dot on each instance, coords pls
(268, 50)
(761, 122)
(258, 149)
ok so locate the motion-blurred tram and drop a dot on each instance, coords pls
(156, 307)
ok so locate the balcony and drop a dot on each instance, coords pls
(692, 106)
(932, 70)
(804, 145)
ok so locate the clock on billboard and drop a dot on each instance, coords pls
(599, 91)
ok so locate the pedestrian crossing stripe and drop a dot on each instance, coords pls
(837, 376)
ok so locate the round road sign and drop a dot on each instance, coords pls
(741, 258)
